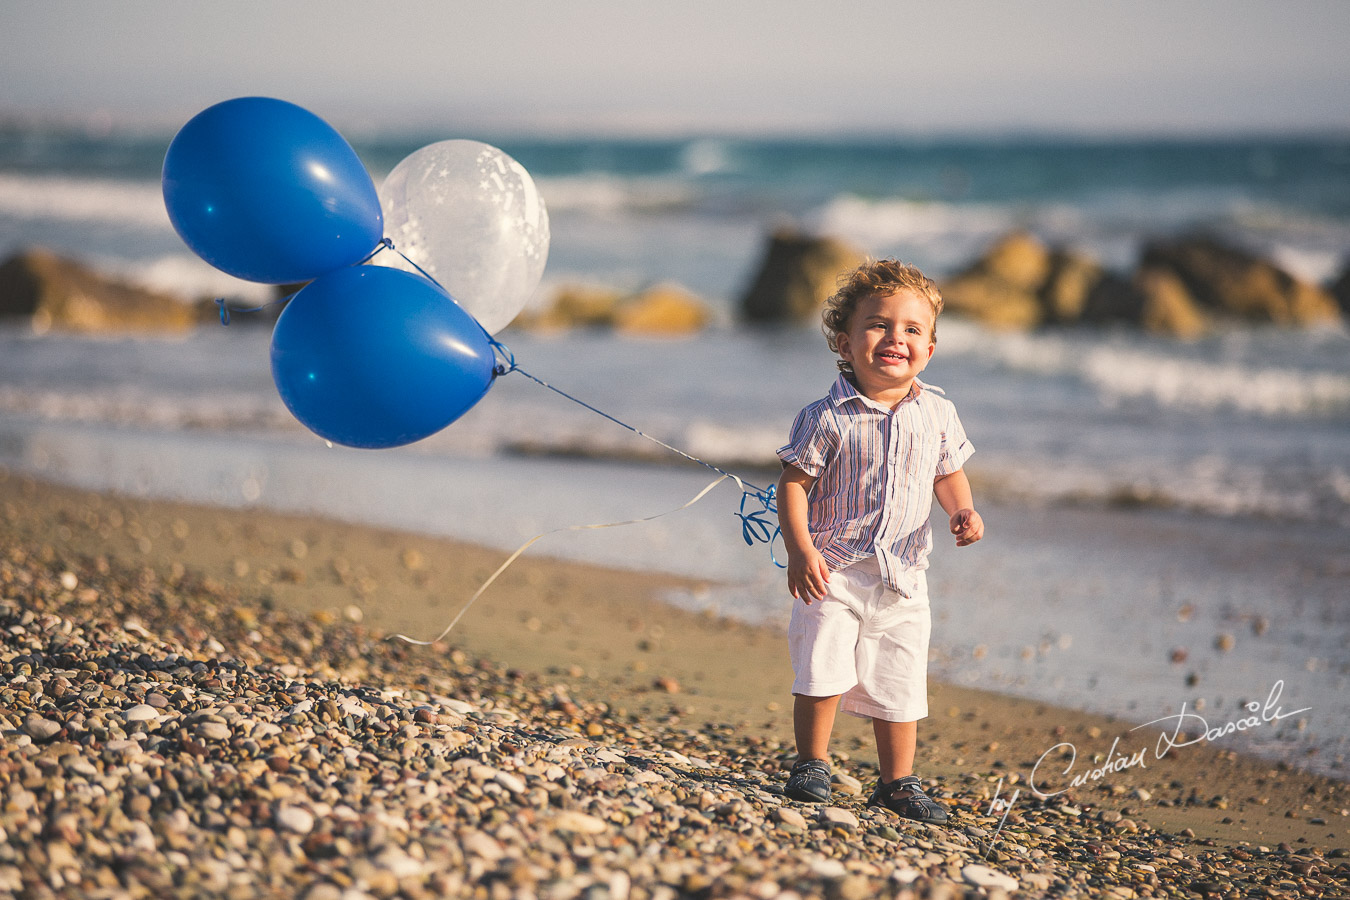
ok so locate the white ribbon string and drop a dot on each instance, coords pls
(525, 546)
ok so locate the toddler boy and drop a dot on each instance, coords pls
(859, 474)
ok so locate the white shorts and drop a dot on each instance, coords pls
(865, 641)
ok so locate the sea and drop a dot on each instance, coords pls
(1168, 522)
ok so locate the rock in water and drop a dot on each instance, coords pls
(797, 274)
(1233, 283)
(61, 294)
(1002, 288)
(1340, 289)
(1068, 284)
(1167, 307)
(663, 309)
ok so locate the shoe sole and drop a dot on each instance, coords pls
(942, 821)
(805, 797)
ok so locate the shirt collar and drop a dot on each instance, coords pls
(843, 390)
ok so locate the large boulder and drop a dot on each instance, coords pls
(666, 309)
(1002, 288)
(662, 309)
(1229, 282)
(1154, 299)
(56, 293)
(991, 302)
(1340, 290)
(1115, 299)
(1167, 307)
(573, 306)
(1017, 259)
(1069, 282)
(798, 272)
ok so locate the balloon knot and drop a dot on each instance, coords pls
(506, 360)
(224, 311)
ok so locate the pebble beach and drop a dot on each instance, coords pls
(200, 702)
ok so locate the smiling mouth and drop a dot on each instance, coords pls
(893, 357)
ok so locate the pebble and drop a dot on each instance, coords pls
(214, 731)
(40, 729)
(579, 823)
(834, 815)
(295, 819)
(985, 877)
(846, 783)
(157, 744)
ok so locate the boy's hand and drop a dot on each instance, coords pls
(967, 526)
(807, 575)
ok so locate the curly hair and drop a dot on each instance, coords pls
(877, 277)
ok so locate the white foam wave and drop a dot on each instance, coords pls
(706, 156)
(185, 275)
(123, 406)
(1312, 264)
(608, 194)
(91, 200)
(897, 221)
(1173, 376)
(1208, 484)
(1196, 385)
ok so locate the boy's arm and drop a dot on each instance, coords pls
(807, 570)
(953, 492)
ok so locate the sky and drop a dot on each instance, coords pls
(731, 66)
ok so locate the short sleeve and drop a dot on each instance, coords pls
(956, 447)
(813, 441)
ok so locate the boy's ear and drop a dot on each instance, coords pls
(841, 346)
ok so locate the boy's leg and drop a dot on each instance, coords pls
(812, 723)
(899, 789)
(896, 742)
(812, 720)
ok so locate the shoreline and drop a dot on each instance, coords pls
(607, 636)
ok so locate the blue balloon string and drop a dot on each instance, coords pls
(754, 525)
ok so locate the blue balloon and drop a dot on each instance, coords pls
(373, 357)
(268, 191)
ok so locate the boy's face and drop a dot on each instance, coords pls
(888, 342)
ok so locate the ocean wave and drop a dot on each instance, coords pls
(1223, 375)
(138, 204)
(129, 407)
(1209, 485)
(706, 156)
(889, 222)
(749, 452)
(598, 193)
(185, 275)
(1189, 385)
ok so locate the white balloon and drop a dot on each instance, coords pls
(471, 216)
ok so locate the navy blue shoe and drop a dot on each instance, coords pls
(905, 797)
(809, 781)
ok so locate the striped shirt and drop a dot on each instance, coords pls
(875, 469)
